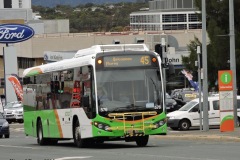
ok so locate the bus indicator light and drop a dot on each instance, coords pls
(154, 60)
(99, 61)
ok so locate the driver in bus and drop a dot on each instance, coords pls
(102, 96)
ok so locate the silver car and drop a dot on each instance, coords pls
(13, 112)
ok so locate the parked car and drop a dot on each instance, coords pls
(184, 95)
(188, 115)
(171, 104)
(13, 112)
(2, 102)
(4, 127)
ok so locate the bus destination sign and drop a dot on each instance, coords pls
(127, 61)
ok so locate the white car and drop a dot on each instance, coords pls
(13, 112)
(189, 115)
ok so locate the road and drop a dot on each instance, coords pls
(20, 147)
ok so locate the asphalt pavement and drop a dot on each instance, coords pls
(211, 134)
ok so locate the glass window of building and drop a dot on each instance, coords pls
(25, 62)
(193, 18)
(174, 18)
(195, 26)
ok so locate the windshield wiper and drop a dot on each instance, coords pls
(121, 109)
(157, 90)
(129, 108)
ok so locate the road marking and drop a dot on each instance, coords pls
(65, 158)
(17, 129)
(8, 146)
(174, 131)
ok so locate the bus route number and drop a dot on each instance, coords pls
(144, 60)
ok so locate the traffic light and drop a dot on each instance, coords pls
(158, 49)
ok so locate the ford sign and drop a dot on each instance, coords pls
(13, 33)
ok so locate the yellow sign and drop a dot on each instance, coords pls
(190, 95)
(14, 21)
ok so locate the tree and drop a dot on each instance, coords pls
(92, 17)
(218, 29)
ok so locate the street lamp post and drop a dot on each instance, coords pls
(199, 86)
(205, 75)
(233, 59)
(163, 43)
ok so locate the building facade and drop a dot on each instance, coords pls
(52, 37)
(166, 15)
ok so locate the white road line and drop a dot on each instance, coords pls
(65, 158)
(174, 131)
(8, 146)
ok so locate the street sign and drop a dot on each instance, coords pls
(13, 33)
(226, 111)
(226, 100)
(225, 80)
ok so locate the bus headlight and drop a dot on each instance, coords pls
(159, 124)
(102, 126)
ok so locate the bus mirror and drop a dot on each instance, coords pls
(85, 101)
(158, 75)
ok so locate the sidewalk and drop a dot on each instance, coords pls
(212, 134)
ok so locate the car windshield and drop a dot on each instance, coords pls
(168, 96)
(188, 106)
(1, 116)
(13, 105)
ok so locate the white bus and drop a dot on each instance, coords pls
(61, 99)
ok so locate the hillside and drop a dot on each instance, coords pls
(53, 3)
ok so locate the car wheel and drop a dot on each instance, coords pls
(20, 121)
(238, 122)
(184, 125)
(79, 142)
(40, 139)
(1, 136)
(142, 141)
(6, 135)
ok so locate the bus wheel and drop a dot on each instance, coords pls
(52, 141)
(142, 141)
(6, 135)
(99, 141)
(77, 135)
(40, 139)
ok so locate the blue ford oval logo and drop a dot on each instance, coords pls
(13, 33)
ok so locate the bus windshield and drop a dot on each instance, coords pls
(128, 90)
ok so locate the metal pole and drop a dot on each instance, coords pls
(164, 69)
(199, 86)
(5, 78)
(233, 58)
(205, 74)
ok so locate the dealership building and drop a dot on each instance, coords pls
(53, 42)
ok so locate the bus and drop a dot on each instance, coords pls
(61, 99)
